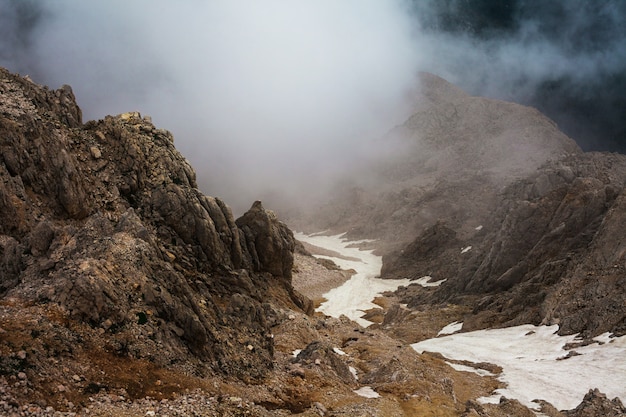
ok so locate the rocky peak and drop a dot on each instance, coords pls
(270, 243)
(21, 97)
(550, 251)
(448, 160)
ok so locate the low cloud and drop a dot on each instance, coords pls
(273, 99)
(260, 95)
(567, 58)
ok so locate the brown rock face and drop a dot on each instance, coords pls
(105, 221)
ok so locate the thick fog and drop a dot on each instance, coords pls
(270, 96)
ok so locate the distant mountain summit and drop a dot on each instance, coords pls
(448, 160)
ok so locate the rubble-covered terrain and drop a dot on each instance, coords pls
(125, 291)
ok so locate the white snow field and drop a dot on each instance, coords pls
(451, 328)
(355, 296)
(426, 282)
(367, 392)
(535, 366)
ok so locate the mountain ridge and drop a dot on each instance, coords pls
(496, 200)
(124, 290)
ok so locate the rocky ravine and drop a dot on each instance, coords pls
(124, 291)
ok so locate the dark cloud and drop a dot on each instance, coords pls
(19, 21)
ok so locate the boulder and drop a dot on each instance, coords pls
(322, 355)
(269, 242)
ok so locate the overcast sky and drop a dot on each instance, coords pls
(271, 95)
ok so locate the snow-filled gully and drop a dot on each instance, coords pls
(534, 362)
(355, 296)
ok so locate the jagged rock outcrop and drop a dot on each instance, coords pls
(593, 404)
(323, 355)
(505, 408)
(270, 244)
(597, 404)
(105, 221)
(553, 252)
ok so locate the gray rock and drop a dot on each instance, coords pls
(41, 237)
(269, 242)
(322, 354)
(551, 254)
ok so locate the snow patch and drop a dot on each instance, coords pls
(296, 352)
(354, 296)
(425, 282)
(367, 392)
(466, 249)
(451, 328)
(354, 372)
(465, 368)
(529, 357)
(339, 351)
(479, 228)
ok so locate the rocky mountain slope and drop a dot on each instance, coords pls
(103, 228)
(125, 291)
(105, 221)
(493, 198)
(551, 253)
